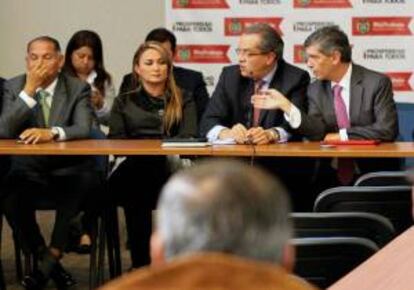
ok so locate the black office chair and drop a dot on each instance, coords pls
(384, 178)
(4, 167)
(323, 261)
(393, 202)
(98, 235)
(348, 224)
(2, 280)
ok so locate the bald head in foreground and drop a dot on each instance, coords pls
(221, 225)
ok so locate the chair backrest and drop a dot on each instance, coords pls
(393, 202)
(323, 261)
(383, 178)
(344, 224)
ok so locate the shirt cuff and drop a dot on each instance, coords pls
(62, 134)
(213, 134)
(343, 135)
(30, 102)
(283, 135)
(294, 118)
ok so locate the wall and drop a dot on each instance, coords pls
(121, 26)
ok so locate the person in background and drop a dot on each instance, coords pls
(220, 225)
(347, 101)
(157, 108)
(42, 106)
(190, 80)
(4, 161)
(84, 60)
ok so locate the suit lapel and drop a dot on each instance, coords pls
(58, 101)
(356, 94)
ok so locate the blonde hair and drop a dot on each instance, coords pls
(173, 109)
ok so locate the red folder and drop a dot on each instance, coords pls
(351, 142)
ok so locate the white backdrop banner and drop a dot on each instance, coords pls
(380, 31)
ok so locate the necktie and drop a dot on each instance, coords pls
(258, 85)
(42, 96)
(345, 165)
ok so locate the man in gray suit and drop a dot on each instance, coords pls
(347, 101)
(42, 106)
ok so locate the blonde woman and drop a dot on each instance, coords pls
(155, 108)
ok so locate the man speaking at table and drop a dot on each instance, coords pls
(347, 101)
(43, 106)
(230, 114)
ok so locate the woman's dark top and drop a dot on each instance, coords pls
(139, 116)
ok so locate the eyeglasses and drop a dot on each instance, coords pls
(248, 53)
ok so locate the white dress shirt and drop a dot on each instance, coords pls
(294, 117)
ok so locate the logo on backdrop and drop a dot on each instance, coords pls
(236, 25)
(299, 55)
(400, 81)
(322, 4)
(199, 4)
(202, 54)
(381, 26)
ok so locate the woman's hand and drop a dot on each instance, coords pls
(97, 99)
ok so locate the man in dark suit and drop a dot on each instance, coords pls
(230, 113)
(4, 161)
(347, 101)
(185, 78)
(43, 106)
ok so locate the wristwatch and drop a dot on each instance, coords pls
(272, 135)
(55, 133)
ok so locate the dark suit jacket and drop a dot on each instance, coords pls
(187, 79)
(70, 110)
(230, 103)
(4, 161)
(1, 93)
(373, 114)
(130, 119)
